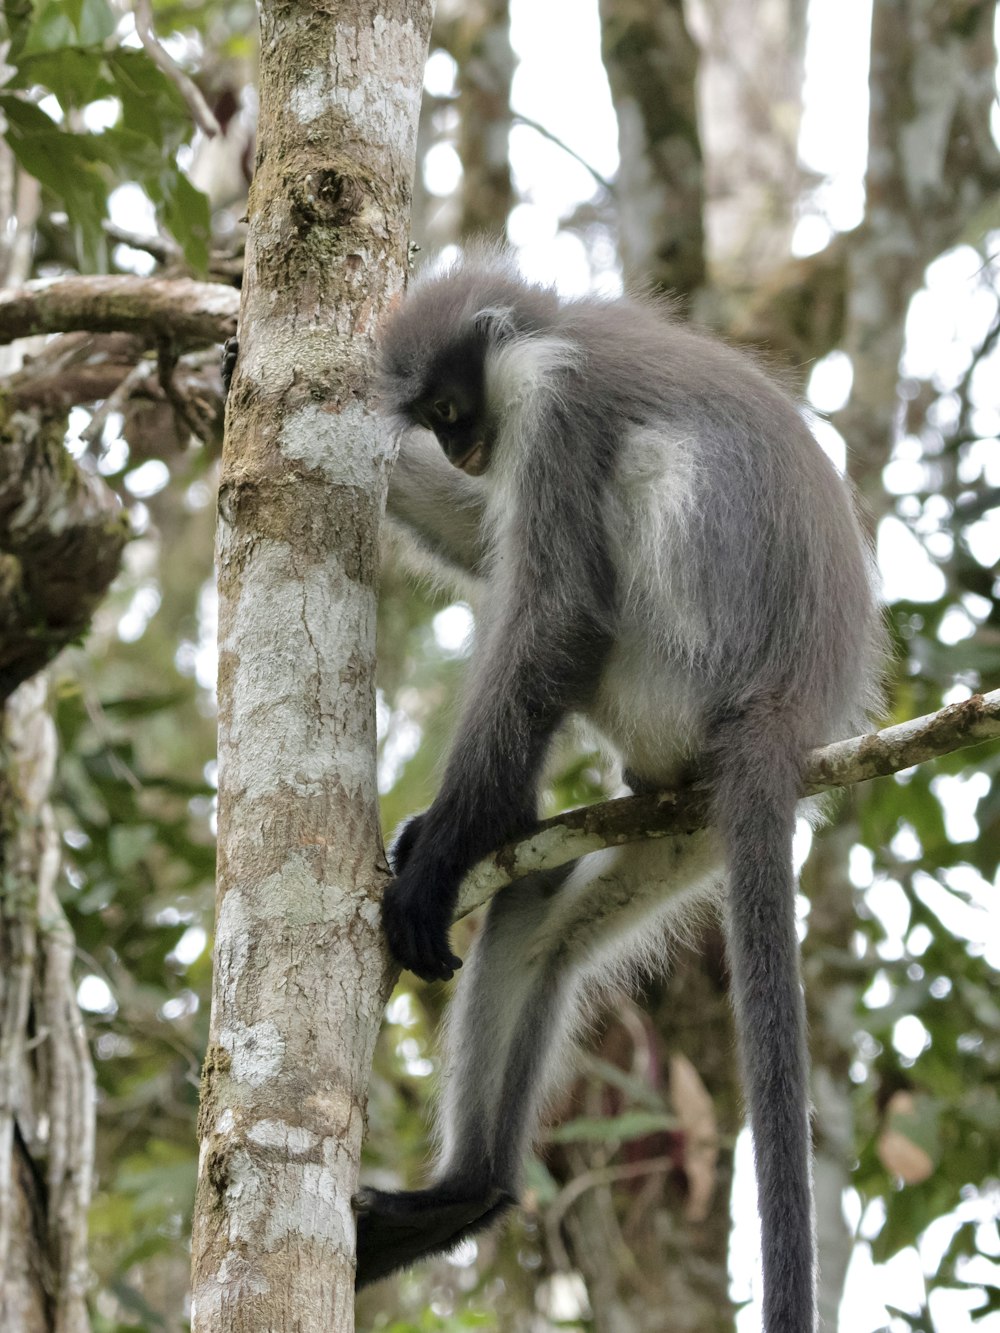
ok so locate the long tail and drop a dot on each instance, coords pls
(757, 775)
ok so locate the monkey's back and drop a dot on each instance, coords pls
(740, 544)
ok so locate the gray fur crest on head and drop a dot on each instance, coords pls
(478, 300)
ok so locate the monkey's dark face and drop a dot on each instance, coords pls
(458, 422)
(453, 406)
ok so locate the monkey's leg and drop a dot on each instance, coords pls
(395, 1229)
(546, 941)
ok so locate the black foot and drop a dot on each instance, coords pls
(395, 1230)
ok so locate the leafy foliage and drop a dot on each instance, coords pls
(66, 51)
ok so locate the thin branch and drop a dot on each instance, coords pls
(140, 374)
(197, 105)
(539, 128)
(222, 264)
(636, 818)
(162, 249)
(568, 1196)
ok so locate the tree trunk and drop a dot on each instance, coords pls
(652, 64)
(479, 39)
(932, 167)
(46, 1076)
(301, 975)
(61, 539)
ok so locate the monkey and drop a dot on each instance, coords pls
(660, 545)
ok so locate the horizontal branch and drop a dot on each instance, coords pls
(189, 313)
(670, 813)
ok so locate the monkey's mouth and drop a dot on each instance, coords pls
(475, 461)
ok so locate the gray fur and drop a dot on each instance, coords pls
(662, 546)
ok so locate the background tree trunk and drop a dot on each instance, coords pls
(301, 976)
(46, 1075)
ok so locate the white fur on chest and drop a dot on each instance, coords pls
(649, 701)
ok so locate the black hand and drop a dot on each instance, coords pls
(416, 914)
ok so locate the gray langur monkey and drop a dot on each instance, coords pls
(662, 546)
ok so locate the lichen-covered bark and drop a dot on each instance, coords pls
(62, 532)
(190, 313)
(478, 36)
(301, 975)
(750, 103)
(932, 166)
(652, 62)
(47, 1098)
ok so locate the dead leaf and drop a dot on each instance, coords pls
(695, 1112)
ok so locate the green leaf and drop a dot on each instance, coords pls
(608, 1129)
(152, 105)
(17, 20)
(185, 213)
(68, 165)
(155, 122)
(95, 20)
(75, 77)
(59, 24)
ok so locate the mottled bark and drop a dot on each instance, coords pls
(652, 64)
(932, 166)
(750, 105)
(301, 975)
(188, 313)
(478, 37)
(61, 537)
(47, 1096)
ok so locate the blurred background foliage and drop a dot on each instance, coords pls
(102, 169)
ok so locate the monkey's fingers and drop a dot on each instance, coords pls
(432, 958)
(417, 939)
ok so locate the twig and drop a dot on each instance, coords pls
(635, 818)
(539, 128)
(565, 1199)
(197, 105)
(115, 401)
(221, 263)
(162, 250)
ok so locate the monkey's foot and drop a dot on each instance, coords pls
(395, 1230)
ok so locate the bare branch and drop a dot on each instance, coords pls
(161, 248)
(199, 108)
(672, 813)
(536, 125)
(190, 313)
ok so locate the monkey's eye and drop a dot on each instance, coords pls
(445, 410)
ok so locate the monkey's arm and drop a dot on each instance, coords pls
(438, 506)
(545, 632)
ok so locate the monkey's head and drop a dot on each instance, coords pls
(436, 348)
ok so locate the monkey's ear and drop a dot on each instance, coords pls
(495, 322)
